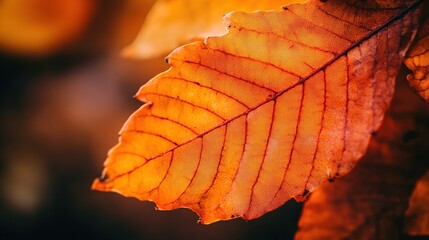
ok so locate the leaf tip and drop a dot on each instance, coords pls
(99, 184)
(303, 196)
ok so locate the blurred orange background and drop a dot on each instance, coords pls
(65, 94)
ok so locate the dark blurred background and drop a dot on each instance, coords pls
(65, 93)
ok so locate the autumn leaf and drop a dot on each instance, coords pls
(417, 59)
(242, 123)
(370, 202)
(417, 215)
(171, 23)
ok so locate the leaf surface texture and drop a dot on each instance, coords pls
(371, 201)
(171, 23)
(244, 122)
(417, 59)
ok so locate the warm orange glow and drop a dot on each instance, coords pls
(171, 23)
(39, 27)
(242, 123)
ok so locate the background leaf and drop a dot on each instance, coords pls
(417, 215)
(370, 202)
(171, 23)
(418, 59)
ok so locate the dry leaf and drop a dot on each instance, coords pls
(370, 202)
(417, 60)
(171, 23)
(242, 123)
(417, 215)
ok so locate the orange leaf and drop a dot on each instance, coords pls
(370, 202)
(171, 23)
(242, 123)
(417, 60)
(417, 215)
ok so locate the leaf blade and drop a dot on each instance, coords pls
(417, 60)
(351, 94)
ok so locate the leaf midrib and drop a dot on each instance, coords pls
(398, 16)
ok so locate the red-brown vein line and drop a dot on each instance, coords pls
(285, 38)
(346, 118)
(166, 173)
(342, 20)
(170, 120)
(273, 115)
(322, 122)
(186, 102)
(210, 88)
(421, 37)
(195, 172)
(423, 89)
(327, 30)
(374, 82)
(128, 172)
(303, 80)
(419, 54)
(308, 65)
(218, 163)
(293, 141)
(241, 156)
(259, 61)
(227, 74)
(153, 134)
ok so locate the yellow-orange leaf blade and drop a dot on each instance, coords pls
(417, 60)
(171, 23)
(244, 122)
